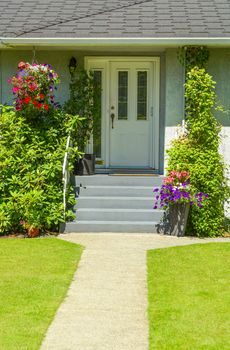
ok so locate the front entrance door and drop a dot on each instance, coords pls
(127, 130)
(131, 112)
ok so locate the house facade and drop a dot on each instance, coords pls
(132, 48)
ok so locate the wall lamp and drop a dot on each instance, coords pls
(72, 65)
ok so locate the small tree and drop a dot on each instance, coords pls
(198, 152)
(83, 101)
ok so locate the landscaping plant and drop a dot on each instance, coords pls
(197, 151)
(81, 103)
(34, 86)
(32, 148)
(177, 188)
(84, 101)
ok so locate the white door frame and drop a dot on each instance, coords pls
(103, 63)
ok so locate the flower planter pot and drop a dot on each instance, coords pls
(85, 165)
(178, 216)
(33, 232)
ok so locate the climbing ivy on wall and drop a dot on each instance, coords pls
(197, 149)
(191, 56)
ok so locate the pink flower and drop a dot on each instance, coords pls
(22, 65)
(15, 89)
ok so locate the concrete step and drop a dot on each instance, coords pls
(112, 226)
(106, 191)
(110, 180)
(115, 202)
(118, 214)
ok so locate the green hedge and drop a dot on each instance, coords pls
(31, 157)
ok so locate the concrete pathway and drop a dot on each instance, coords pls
(106, 305)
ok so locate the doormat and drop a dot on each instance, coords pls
(130, 174)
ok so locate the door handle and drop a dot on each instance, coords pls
(112, 115)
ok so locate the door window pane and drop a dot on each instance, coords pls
(97, 74)
(142, 95)
(122, 95)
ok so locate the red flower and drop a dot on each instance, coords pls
(39, 105)
(27, 100)
(46, 107)
(21, 65)
(41, 96)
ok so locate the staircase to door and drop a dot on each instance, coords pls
(115, 204)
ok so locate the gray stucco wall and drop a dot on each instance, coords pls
(219, 68)
(174, 89)
(172, 78)
(174, 101)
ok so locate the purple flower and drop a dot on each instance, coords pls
(155, 207)
(156, 190)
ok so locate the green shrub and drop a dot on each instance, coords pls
(84, 101)
(31, 158)
(198, 152)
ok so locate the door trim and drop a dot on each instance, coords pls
(103, 63)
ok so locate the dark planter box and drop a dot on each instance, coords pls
(85, 165)
(178, 216)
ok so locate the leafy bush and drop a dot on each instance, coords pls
(31, 158)
(198, 152)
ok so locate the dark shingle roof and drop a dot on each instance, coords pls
(114, 18)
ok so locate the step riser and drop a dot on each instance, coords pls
(119, 216)
(78, 227)
(104, 198)
(115, 203)
(113, 191)
(107, 180)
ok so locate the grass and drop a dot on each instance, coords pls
(35, 275)
(189, 297)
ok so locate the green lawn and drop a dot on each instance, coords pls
(189, 297)
(34, 277)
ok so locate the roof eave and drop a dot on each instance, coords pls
(166, 42)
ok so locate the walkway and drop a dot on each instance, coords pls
(106, 306)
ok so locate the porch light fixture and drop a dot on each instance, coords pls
(72, 65)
